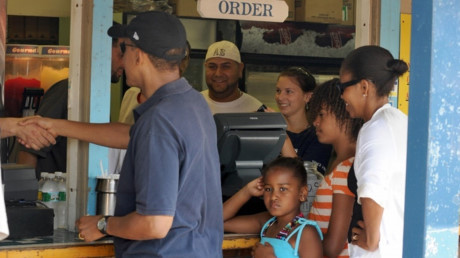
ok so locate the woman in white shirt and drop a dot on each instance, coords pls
(367, 76)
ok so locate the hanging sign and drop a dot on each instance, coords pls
(251, 10)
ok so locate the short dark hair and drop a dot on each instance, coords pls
(376, 64)
(294, 164)
(305, 79)
(164, 64)
(327, 96)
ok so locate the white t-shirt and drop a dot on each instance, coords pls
(245, 103)
(380, 168)
(129, 102)
(4, 232)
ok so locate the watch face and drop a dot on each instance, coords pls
(101, 224)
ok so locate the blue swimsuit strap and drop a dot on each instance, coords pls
(303, 222)
(265, 225)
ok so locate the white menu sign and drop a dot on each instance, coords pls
(252, 10)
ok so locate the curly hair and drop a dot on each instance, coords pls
(327, 96)
(294, 164)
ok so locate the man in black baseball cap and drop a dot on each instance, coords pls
(166, 199)
(155, 33)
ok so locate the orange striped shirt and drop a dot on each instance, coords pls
(333, 183)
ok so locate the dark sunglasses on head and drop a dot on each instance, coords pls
(123, 46)
(343, 86)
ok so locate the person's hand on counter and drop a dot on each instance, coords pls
(31, 135)
(87, 228)
(263, 250)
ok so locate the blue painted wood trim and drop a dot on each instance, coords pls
(390, 15)
(433, 165)
(390, 31)
(100, 91)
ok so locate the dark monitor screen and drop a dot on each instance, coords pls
(20, 182)
(248, 141)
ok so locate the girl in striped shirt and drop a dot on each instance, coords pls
(333, 205)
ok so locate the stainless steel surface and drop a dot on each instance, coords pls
(61, 237)
(106, 204)
(106, 196)
(107, 185)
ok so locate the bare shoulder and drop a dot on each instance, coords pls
(263, 217)
(311, 233)
(310, 243)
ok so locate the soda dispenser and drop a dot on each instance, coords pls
(55, 65)
(29, 67)
(22, 70)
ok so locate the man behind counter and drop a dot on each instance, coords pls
(224, 68)
(163, 206)
(54, 105)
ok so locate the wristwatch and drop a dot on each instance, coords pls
(102, 224)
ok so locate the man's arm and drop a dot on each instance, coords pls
(133, 226)
(114, 135)
(34, 136)
(288, 149)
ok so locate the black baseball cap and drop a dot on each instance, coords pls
(155, 33)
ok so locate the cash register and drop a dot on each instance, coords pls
(26, 217)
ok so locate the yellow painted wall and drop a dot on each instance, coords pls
(404, 54)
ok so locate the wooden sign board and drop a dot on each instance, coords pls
(251, 10)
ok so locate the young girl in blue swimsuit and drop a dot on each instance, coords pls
(283, 229)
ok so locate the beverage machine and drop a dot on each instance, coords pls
(30, 70)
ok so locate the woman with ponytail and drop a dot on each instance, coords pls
(367, 76)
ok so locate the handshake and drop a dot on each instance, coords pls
(33, 132)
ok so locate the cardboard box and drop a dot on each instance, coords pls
(348, 12)
(321, 11)
(184, 8)
(325, 11)
(291, 6)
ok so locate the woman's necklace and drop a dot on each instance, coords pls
(284, 232)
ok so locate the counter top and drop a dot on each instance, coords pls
(67, 244)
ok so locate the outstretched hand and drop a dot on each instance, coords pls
(256, 187)
(35, 132)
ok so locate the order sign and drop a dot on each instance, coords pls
(252, 10)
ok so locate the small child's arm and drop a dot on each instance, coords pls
(232, 205)
(243, 224)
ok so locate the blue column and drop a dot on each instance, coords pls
(390, 16)
(433, 165)
(100, 89)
